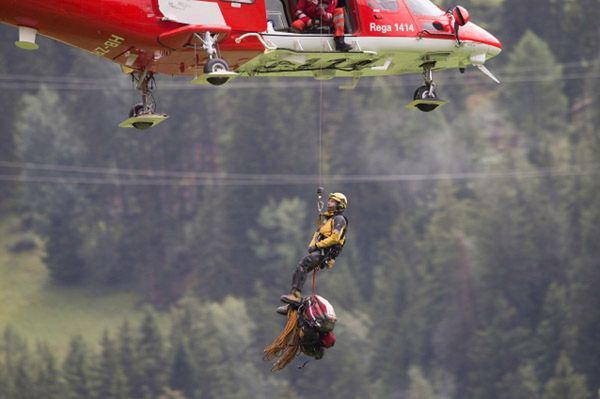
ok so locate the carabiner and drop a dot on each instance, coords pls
(320, 203)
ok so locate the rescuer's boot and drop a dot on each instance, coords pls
(338, 24)
(341, 45)
(283, 310)
(294, 298)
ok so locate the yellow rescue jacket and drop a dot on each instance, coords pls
(332, 231)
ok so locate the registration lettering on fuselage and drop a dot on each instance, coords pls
(113, 41)
(387, 28)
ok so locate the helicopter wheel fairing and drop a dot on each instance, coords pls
(142, 125)
(143, 122)
(217, 81)
(426, 107)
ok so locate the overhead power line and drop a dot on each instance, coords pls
(110, 176)
(140, 172)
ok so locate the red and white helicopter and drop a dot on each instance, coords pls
(214, 41)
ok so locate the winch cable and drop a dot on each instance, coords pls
(320, 203)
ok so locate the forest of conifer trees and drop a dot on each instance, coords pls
(472, 272)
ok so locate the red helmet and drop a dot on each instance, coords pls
(319, 313)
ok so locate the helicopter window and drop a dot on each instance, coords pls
(276, 14)
(384, 5)
(424, 7)
(241, 1)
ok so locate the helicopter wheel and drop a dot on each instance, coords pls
(216, 65)
(141, 109)
(136, 110)
(424, 93)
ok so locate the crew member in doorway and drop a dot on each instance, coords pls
(326, 244)
(328, 12)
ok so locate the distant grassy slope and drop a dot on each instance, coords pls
(41, 311)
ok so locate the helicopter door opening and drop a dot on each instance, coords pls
(349, 15)
(280, 14)
(277, 16)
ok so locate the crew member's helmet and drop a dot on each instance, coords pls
(318, 313)
(340, 199)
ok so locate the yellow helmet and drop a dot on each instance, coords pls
(340, 199)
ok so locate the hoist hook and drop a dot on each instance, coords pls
(320, 203)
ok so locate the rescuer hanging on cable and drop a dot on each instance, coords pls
(312, 13)
(326, 244)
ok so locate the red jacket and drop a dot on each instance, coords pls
(314, 10)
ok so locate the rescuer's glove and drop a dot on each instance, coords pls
(299, 25)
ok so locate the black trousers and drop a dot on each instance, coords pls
(305, 266)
